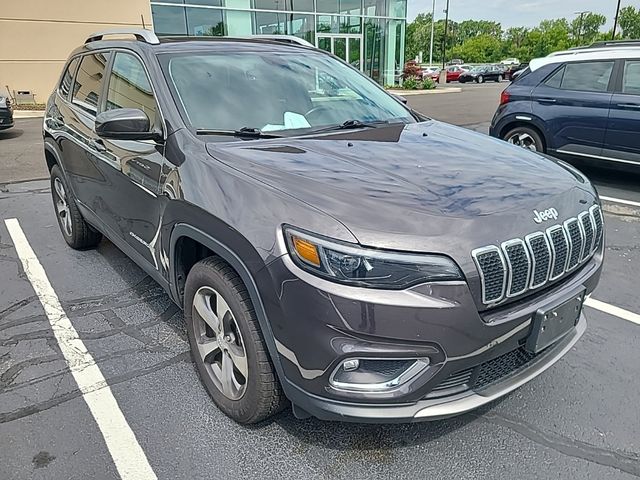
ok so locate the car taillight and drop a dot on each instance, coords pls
(504, 98)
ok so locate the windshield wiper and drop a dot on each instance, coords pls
(244, 132)
(351, 124)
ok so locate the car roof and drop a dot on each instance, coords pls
(585, 54)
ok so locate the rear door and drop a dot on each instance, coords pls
(622, 142)
(574, 104)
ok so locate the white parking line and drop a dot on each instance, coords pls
(129, 458)
(613, 310)
(620, 200)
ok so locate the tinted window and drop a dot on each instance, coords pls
(555, 80)
(88, 85)
(587, 77)
(631, 78)
(169, 20)
(67, 78)
(129, 86)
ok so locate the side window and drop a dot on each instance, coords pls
(67, 78)
(631, 77)
(587, 76)
(129, 86)
(88, 85)
(555, 80)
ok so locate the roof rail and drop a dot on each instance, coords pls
(141, 34)
(615, 43)
(284, 39)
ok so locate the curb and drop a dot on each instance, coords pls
(435, 91)
(28, 113)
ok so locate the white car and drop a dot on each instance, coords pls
(510, 61)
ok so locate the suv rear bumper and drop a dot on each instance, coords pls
(6, 118)
(435, 409)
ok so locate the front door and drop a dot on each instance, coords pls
(346, 47)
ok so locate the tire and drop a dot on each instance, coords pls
(499, 79)
(525, 137)
(260, 395)
(480, 79)
(75, 230)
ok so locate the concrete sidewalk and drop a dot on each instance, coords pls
(28, 113)
(435, 91)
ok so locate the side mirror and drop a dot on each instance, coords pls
(125, 124)
(400, 98)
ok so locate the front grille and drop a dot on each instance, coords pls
(484, 375)
(520, 266)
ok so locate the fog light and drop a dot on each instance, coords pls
(375, 375)
(351, 365)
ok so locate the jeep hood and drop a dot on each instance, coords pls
(419, 187)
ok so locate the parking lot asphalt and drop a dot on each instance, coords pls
(577, 420)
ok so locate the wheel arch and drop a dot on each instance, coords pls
(515, 123)
(183, 232)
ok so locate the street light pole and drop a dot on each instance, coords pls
(444, 43)
(615, 22)
(433, 24)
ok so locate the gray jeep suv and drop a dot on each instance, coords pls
(329, 245)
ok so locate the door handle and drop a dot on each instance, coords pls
(98, 145)
(547, 100)
(629, 105)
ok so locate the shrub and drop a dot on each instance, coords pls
(411, 83)
(411, 69)
(427, 84)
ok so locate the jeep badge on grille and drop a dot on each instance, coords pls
(545, 215)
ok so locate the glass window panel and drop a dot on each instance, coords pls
(169, 20)
(350, 24)
(324, 43)
(211, 3)
(270, 23)
(374, 31)
(327, 6)
(302, 26)
(129, 86)
(67, 78)
(398, 8)
(354, 53)
(350, 7)
(88, 85)
(587, 76)
(300, 5)
(340, 47)
(555, 80)
(631, 79)
(205, 22)
(271, 4)
(328, 24)
(238, 23)
(375, 8)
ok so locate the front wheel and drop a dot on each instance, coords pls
(526, 138)
(480, 79)
(227, 345)
(499, 79)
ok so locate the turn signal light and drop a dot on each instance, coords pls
(504, 98)
(306, 250)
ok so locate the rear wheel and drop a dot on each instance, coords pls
(525, 137)
(227, 345)
(499, 79)
(480, 79)
(76, 231)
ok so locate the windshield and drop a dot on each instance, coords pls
(301, 90)
(478, 69)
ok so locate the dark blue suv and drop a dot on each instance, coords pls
(578, 103)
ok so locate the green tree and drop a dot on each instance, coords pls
(480, 49)
(418, 36)
(473, 28)
(585, 29)
(630, 22)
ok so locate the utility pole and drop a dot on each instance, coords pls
(444, 43)
(433, 24)
(582, 14)
(615, 22)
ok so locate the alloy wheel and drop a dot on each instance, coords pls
(523, 140)
(62, 207)
(220, 344)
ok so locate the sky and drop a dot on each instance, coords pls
(516, 13)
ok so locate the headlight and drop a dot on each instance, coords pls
(364, 267)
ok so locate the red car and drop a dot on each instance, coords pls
(454, 72)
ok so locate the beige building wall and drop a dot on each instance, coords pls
(36, 36)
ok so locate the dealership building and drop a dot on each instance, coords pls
(36, 36)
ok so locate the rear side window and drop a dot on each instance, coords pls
(67, 78)
(129, 86)
(584, 77)
(88, 84)
(631, 77)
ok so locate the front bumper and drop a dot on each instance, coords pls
(318, 324)
(6, 118)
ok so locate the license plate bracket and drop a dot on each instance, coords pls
(550, 324)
